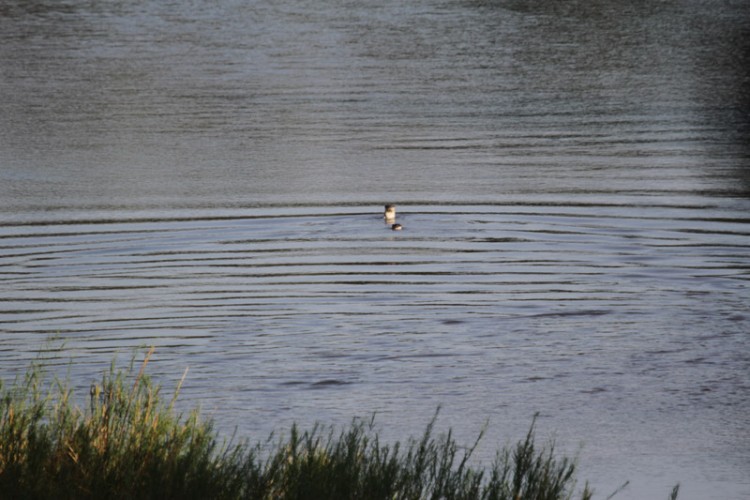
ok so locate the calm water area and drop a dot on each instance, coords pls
(573, 178)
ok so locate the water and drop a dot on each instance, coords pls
(572, 178)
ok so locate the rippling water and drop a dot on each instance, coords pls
(572, 178)
(625, 326)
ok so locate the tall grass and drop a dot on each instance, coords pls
(130, 443)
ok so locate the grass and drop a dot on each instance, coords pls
(131, 443)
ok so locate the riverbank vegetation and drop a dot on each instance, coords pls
(130, 442)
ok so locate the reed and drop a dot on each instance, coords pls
(131, 443)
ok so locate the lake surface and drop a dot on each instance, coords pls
(573, 180)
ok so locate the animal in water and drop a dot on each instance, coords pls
(390, 213)
(397, 227)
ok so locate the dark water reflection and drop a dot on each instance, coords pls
(573, 178)
(126, 105)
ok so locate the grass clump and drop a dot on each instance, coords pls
(130, 443)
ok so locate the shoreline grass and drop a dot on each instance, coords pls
(131, 443)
